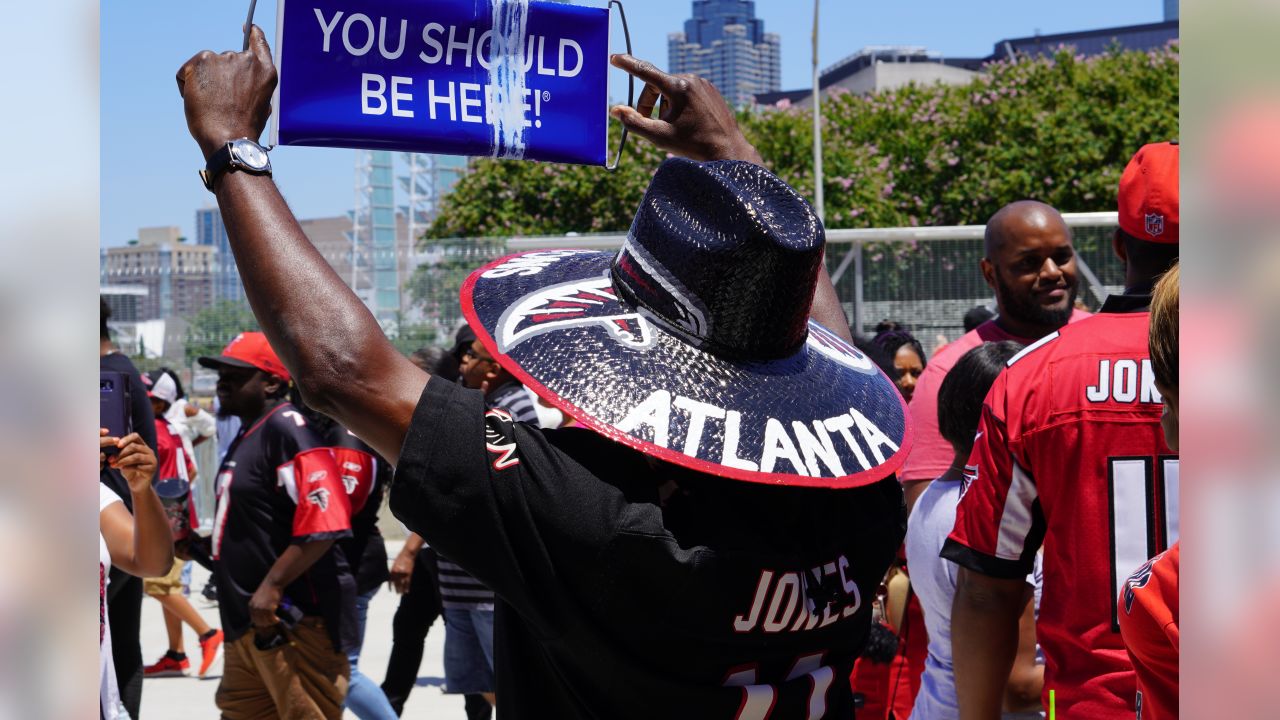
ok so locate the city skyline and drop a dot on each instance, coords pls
(142, 47)
(726, 43)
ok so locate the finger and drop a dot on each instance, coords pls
(130, 438)
(106, 441)
(649, 97)
(258, 45)
(647, 72)
(655, 131)
(189, 67)
(134, 454)
(103, 432)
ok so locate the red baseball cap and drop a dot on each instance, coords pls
(1149, 194)
(249, 350)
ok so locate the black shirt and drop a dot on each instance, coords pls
(614, 604)
(277, 485)
(366, 477)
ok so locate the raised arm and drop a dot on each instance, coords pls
(694, 121)
(344, 365)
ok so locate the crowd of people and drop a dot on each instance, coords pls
(669, 481)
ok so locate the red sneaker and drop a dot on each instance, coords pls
(169, 665)
(210, 649)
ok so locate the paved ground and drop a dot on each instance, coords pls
(190, 698)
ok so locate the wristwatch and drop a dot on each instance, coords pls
(243, 154)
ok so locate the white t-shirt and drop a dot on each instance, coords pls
(933, 580)
(108, 693)
(190, 429)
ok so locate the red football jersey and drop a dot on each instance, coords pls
(171, 459)
(1149, 625)
(1070, 454)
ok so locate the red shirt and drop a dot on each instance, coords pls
(1149, 626)
(171, 459)
(1070, 454)
(931, 455)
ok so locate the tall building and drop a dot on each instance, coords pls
(726, 43)
(210, 232)
(380, 254)
(178, 277)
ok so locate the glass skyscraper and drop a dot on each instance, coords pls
(210, 232)
(726, 43)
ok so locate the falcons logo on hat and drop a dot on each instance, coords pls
(320, 498)
(835, 348)
(580, 303)
(1155, 224)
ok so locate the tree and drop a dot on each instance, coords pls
(1058, 129)
(212, 328)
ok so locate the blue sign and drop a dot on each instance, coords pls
(498, 78)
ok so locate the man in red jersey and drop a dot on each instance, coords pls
(1149, 619)
(1069, 454)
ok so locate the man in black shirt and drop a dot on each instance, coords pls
(285, 593)
(124, 598)
(707, 545)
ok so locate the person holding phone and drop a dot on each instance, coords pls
(139, 544)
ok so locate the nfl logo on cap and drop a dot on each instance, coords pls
(1155, 224)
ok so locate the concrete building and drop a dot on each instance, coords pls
(125, 301)
(1148, 36)
(878, 68)
(332, 237)
(726, 43)
(177, 276)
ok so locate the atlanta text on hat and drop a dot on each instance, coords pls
(808, 446)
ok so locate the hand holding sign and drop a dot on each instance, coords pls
(228, 96)
(693, 119)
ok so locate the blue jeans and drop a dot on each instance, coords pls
(468, 650)
(364, 697)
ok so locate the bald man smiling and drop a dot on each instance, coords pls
(1030, 264)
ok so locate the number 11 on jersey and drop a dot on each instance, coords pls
(758, 700)
(1144, 516)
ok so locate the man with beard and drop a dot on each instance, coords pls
(1069, 455)
(285, 593)
(1031, 266)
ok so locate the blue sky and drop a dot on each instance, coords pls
(149, 161)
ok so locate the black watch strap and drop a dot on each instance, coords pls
(224, 160)
(218, 163)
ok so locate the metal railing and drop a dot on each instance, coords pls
(924, 277)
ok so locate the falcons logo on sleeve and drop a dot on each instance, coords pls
(320, 498)
(581, 303)
(499, 439)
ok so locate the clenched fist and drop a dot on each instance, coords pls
(228, 96)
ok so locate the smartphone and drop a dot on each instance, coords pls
(113, 405)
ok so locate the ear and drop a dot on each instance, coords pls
(988, 272)
(1117, 244)
(271, 385)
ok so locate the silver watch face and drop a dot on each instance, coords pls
(251, 154)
